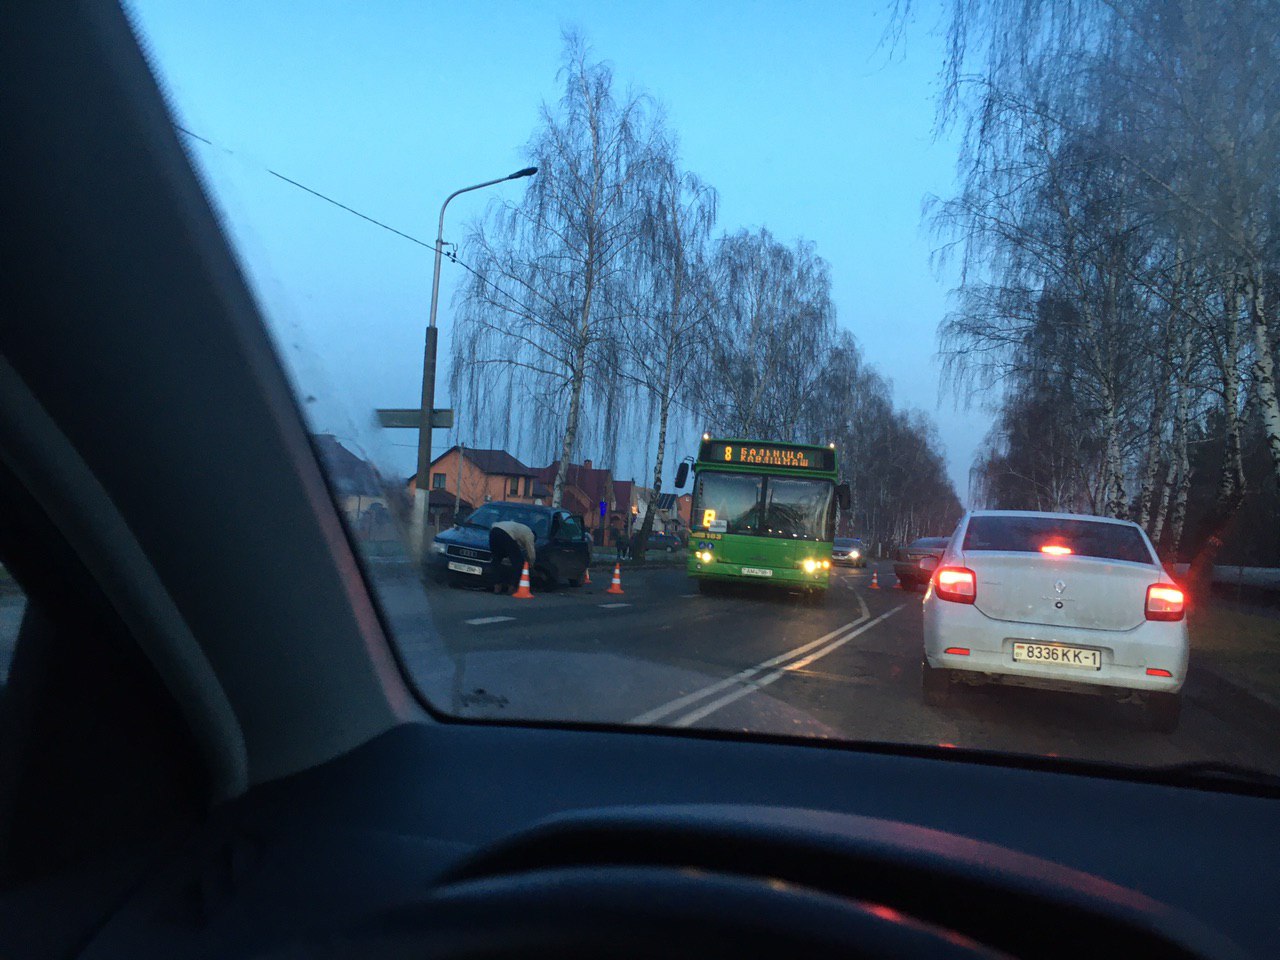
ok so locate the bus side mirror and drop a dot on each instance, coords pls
(682, 475)
(843, 496)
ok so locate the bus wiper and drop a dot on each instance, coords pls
(1215, 771)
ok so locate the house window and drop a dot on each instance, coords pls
(514, 489)
(437, 481)
(528, 486)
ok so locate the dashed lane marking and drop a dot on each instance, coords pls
(481, 621)
(752, 686)
(612, 606)
(743, 676)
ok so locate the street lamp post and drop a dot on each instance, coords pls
(422, 487)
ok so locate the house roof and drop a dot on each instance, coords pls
(491, 462)
(590, 480)
(596, 484)
(349, 474)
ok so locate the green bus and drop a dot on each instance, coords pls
(763, 512)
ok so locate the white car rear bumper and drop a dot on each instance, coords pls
(1126, 655)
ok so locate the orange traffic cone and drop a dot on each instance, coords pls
(875, 581)
(616, 586)
(523, 592)
(586, 576)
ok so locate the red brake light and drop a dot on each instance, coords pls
(1056, 550)
(1165, 602)
(1158, 672)
(957, 584)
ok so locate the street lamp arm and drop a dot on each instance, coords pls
(526, 172)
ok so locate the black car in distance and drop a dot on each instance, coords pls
(914, 564)
(461, 555)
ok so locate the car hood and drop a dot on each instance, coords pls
(465, 537)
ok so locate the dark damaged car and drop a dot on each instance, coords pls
(461, 555)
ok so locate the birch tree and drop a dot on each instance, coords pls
(538, 323)
(1177, 104)
(770, 326)
(671, 296)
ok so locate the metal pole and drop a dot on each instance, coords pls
(421, 490)
(457, 493)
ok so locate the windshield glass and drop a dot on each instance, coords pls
(964, 258)
(798, 509)
(487, 516)
(729, 502)
(1081, 538)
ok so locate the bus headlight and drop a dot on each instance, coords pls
(704, 556)
(826, 564)
(810, 565)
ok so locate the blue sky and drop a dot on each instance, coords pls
(796, 113)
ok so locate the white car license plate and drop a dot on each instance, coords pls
(1058, 654)
(757, 572)
(465, 567)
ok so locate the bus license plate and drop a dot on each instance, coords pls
(1058, 654)
(465, 568)
(757, 572)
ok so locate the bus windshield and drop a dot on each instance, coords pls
(797, 509)
(731, 497)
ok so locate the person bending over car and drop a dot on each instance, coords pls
(511, 542)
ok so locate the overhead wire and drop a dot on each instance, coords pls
(452, 256)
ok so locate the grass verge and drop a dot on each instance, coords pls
(1241, 646)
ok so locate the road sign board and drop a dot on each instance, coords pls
(441, 418)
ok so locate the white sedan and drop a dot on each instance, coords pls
(1059, 601)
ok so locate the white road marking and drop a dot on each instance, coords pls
(689, 596)
(612, 606)
(705, 711)
(657, 713)
(481, 621)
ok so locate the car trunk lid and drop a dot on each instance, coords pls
(1082, 592)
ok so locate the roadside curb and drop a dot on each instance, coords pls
(603, 563)
(1216, 689)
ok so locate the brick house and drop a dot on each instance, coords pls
(467, 477)
(586, 487)
(359, 489)
(672, 512)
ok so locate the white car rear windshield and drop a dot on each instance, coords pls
(1084, 538)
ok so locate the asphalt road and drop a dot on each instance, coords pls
(760, 661)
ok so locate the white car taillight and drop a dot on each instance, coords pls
(1165, 602)
(957, 584)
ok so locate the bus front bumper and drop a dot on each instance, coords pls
(793, 577)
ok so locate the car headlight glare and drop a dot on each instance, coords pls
(855, 554)
(810, 565)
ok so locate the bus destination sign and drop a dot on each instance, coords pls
(769, 455)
